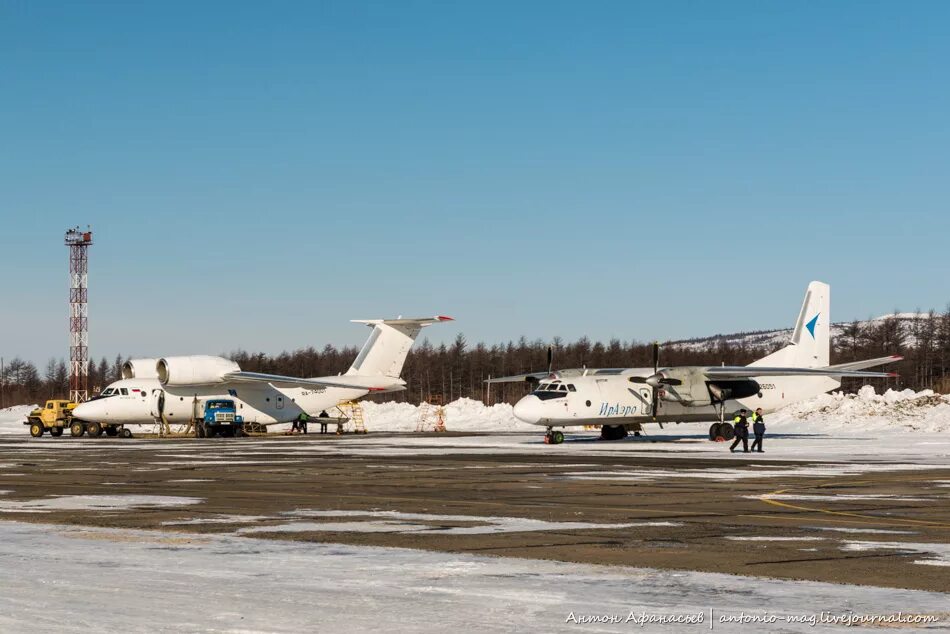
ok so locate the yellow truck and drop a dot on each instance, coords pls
(54, 417)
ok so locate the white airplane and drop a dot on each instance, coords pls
(619, 398)
(176, 389)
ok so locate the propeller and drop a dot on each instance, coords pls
(656, 380)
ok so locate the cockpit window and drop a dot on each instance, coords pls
(571, 388)
(547, 391)
(107, 392)
(125, 391)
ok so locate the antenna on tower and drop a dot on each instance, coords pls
(79, 242)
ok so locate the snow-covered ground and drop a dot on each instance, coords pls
(72, 579)
(12, 418)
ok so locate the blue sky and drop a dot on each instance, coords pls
(257, 174)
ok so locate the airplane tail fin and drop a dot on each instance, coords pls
(384, 353)
(810, 346)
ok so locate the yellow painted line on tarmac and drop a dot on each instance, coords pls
(887, 521)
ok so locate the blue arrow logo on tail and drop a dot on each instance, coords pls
(811, 325)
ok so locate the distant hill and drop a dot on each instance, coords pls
(773, 339)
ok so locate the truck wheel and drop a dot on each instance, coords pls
(56, 432)
(36, 430)
(76, 430)
(94, 429)
(126, 433)
(111, 430)
(199, 430)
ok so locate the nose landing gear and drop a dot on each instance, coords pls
(553, 437)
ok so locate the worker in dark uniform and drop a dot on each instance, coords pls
(758, 428)
(323, 421)
(741, 424)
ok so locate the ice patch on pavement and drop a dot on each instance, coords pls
(217, 519)
(398, 522)
(838, 497)
(254, 585)
(775, 538)
(939, 553)
(94, 503)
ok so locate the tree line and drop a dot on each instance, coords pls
(446, 372)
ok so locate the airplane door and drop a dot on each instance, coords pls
(157, 403)
(646, 396)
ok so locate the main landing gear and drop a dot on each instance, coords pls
(613, 432)
(722, 430)
(553, 437)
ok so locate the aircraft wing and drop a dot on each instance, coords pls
(757, 370)
(520, 378)
(370, 384)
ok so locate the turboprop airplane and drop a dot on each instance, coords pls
(622, 398)
(176, 389)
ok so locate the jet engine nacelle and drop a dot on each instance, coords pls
(194, 370)
(139, 369)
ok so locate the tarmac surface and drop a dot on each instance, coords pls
(886, 524)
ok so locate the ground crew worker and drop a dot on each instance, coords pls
(295, 425)
(323, 421)
(303, 418)
(741, 423)
(758, 428)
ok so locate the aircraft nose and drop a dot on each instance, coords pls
(86, 411)
(528, 409)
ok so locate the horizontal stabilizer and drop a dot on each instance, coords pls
(418, 321)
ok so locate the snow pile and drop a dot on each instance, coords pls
(12, 419)
(464, 414)
(867, 410)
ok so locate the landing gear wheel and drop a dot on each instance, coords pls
(76, 430)
(56, 432)
(557, 437)
(714, 431)
(94, 429)
(728, 431)
(111, 431)
(126, 433)
(36, 430)
(613, 432)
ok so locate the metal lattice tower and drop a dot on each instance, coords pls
(78, 242)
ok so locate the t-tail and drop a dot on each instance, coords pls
(384, 353)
